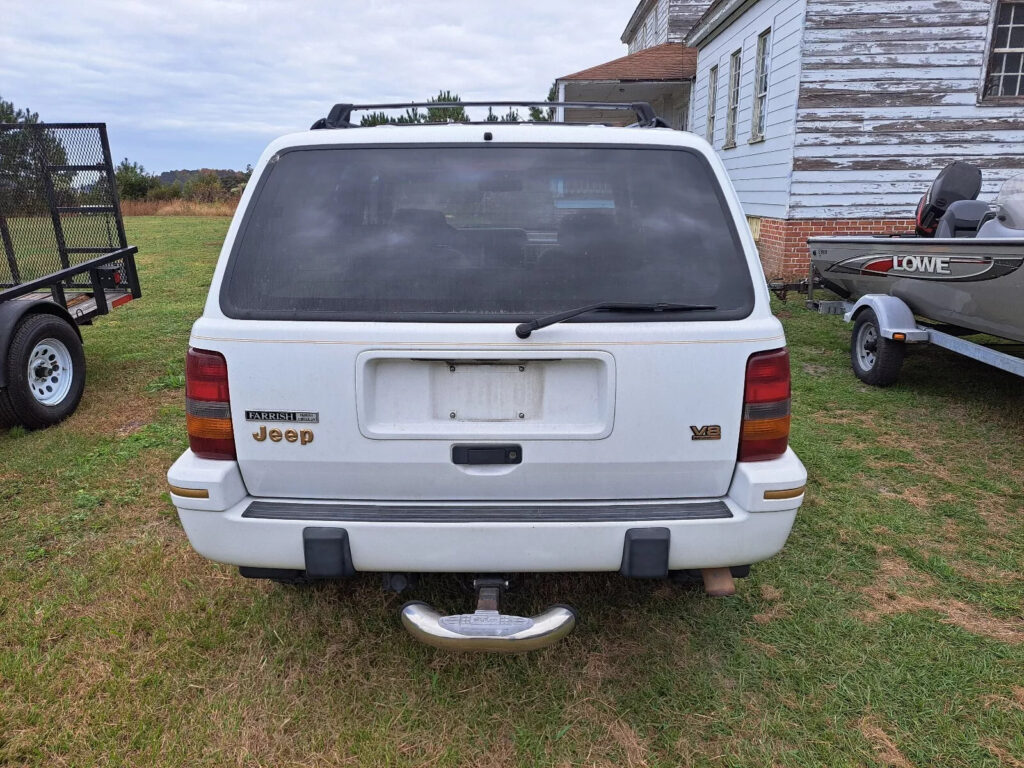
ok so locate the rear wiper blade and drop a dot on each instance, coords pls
(523, 330)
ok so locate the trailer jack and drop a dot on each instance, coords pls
(487, 629)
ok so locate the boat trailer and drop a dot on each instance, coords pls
(891, 320)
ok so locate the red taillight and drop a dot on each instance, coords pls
(208, 405)
(764, 433)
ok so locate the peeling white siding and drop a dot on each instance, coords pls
(888, 96)
(760, 171)
(669, 20)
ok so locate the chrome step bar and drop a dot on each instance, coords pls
(487, 629)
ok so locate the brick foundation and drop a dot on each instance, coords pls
(783, 242)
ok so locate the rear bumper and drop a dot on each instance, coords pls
(231, 527)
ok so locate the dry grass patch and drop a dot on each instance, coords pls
(882, 743)
(1015, 701)
(1006, 760)
(177, 208)
(888, 597)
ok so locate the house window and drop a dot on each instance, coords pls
(648, 33)
(712, 102)
(735, 63)
(1006, 64)
(757, 123)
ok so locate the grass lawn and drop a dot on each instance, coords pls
(888, 632)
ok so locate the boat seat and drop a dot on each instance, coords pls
(962, 219)
(996, 228)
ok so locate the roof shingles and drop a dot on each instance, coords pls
(668, 61)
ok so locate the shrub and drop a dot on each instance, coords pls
(165, 192)
(204, 188)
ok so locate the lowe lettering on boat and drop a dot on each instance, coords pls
(921, 266)
(935, 264)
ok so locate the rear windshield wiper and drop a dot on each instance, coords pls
(523, 330)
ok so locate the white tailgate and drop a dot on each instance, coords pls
(601, 418)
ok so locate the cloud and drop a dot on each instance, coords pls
(187, 83)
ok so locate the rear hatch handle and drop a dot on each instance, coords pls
(523, 330)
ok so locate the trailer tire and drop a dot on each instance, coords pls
(49, 393)
(876, 360)
(8, 418)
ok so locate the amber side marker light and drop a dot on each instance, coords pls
(899, 337)
(785, 493)
(190, 493)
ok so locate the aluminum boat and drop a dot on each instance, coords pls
(963, 267)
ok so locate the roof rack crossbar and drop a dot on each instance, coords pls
(340, 115)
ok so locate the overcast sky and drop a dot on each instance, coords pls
(207, 83)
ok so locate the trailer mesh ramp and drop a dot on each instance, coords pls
(58, 201)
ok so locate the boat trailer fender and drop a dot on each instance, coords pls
(894, 317)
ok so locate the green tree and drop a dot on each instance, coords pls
(512, 116)
(446, 114)
(411, 117)
(164, 192)
(539, 115)
(9, 114)
(133, 183)
(491, 117)
(375, 118)
(205, 187)
(24, 155)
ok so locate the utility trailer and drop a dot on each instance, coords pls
(65, 261)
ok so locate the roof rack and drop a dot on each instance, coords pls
(341, 114)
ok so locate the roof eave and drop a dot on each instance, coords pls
(715, 21)
(627, 80)
(634, 21)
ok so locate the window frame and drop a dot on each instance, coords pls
(712, 114)
(1016, 21)
(733, 106)
(762, 71)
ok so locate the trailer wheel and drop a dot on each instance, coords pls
(876, 360)
(45, 371)
(8, 418)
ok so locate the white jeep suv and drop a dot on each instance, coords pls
(488, 348)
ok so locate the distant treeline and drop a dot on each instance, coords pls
(205, 185)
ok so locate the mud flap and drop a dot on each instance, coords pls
(645, 553)
(327, 553)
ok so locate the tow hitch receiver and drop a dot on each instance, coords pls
(487, 629)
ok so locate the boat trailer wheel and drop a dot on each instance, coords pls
(866, 345)
(876, 360)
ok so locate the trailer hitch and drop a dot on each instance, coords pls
(487, 629)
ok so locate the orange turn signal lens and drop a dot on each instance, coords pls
(216, 429)
(766, 429)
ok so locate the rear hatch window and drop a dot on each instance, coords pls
(485, 234)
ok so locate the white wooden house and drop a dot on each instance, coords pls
(833, 116)
(658, 69)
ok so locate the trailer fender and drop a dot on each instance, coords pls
(894, 316)
(12, 312)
